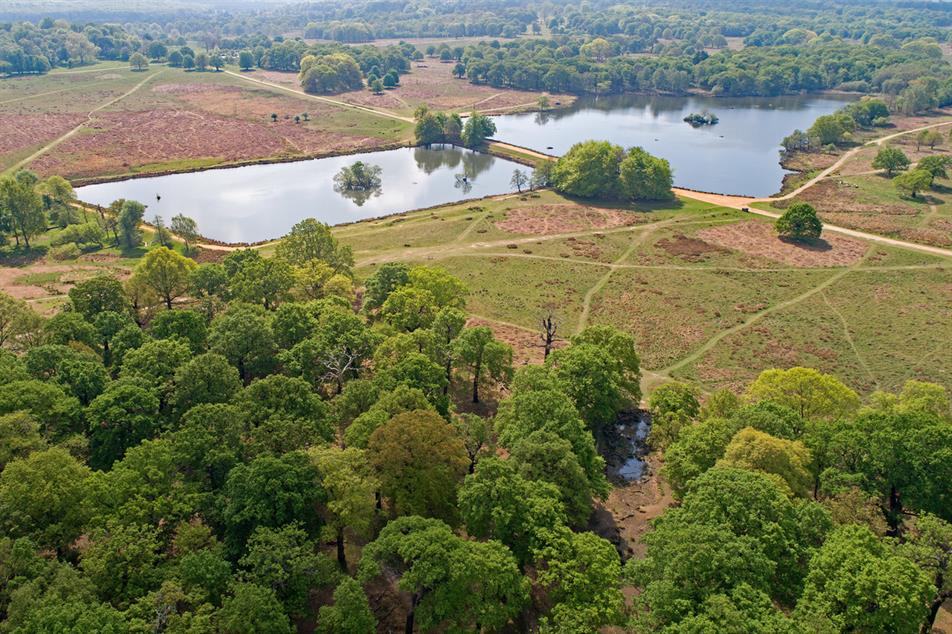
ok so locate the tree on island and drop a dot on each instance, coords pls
(358, 182)
(799, 222)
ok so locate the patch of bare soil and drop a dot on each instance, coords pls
(544, 220)
(527, 347)
(758, 238)
(13, 282)
(689, 248)
(629, 509)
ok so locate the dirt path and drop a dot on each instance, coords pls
(89, 117)
(386, 114)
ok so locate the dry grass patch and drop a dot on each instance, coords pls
(687, 248)
(760, 239)
(527, 346)
(547, 220)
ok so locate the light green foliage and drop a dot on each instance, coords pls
(695, 451)
(409, 308)
(350, 612)
(477, 129)
(156, 364)
(936, 165)
(545, 457)
(832, 128)
(166, 273)
(645, 177)
(386, 279)
(594, 380)
(41, 497)
(185, 324)
(17, 320)
(891, 159)
(253, 609)
(799, 222)
(130, 215)
(447, 290)
(23, 206)
(787, 460)
(589, 170)
(913, 182)
(312, 240)
(811, 394)
(673, 406)
(857, 583)
(207, 378)
(719, 404)
(420, 461)
(283, 414)
(400, 399)
(55, 411)
(19, 437)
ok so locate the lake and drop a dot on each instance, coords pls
(739, 155)
(259, 202)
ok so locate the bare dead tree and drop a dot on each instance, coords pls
(549, 328)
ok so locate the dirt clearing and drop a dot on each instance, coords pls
(546, 220)
(690, 249)
(760, 239)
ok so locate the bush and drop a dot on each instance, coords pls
(65, 252)
(86, 234)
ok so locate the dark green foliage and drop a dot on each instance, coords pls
(799, 222)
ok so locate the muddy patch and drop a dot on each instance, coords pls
(759, 239)
(688, 248)
(546, 220)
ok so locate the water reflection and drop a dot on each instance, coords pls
(259, 202)
(738, 156)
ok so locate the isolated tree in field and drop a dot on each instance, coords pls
(246, 60)
(485, 357)
(185, 228)
(217, 61)
(420, 461)
(936, 165)
(167, 273)
(23, 206)
(930, 138)
(138, 62)
(645, 177)
(201, 61)
(891, 159)
(130, 215)
(175, 59)
(911, 183)
(519, 180)
(799, 222)
(477, 129)
(459, 70)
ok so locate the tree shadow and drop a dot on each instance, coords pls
(21, 256)
(815, 245)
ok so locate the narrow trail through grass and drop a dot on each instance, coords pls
(849, 338)
(89, 117)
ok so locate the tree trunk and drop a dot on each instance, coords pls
(341, 555)
(476, 381)
(414, 599)
(168, 302)
(933, 612)
(449, 376)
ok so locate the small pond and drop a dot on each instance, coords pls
(259, 202)
(738, 155)
(628, 446)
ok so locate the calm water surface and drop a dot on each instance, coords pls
(736, 156)
(258, 202)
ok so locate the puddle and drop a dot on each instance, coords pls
(628, 447)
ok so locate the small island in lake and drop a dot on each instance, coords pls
(704, 118)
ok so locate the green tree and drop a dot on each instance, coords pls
(246, 60)
(121, 417)
(936, 165)
(350, 486)
(24, 207)
(594, 379)
(645, 177)
(477, 129)
(673, 407)
(166, 272)
(545, 457)
(857, 583)
(589, 170)
(832, 128)
(408, 308)
(420, 461)
(891, 159)
(799, 222)
(122, 561)
(155, 365)
(485, 357)
(138, 62)
(786, 460)
(19, 437)
(497, 503)
(913, 182)
(130, 215)
(312, 240)
(42, 497)
(696, 449)
(349, 614)
(811, 394)
(929, 546)
(96, 295)
(185, 228)
(284, 560)
(243, 335)
(187, 325)
(252, 609)
(17, 321)
(207, 378)
(386, 279)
